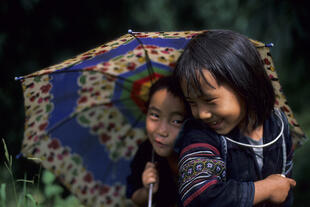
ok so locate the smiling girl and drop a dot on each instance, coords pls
(238, 149)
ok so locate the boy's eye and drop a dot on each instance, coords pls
(153, 115)
(178, 122)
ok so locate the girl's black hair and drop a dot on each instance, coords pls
(171, 85)
(231, 58)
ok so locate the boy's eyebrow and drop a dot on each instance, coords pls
(153, 108)
(177, 113)
(172, 113)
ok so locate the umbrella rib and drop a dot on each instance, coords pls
(72, 115)
(148, 65)
(148, 60)
(136, 121)
(54, 72)
(72, 71)
(121, 78)
(82, 70)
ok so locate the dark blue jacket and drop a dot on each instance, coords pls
(216, 172)
(166, 195)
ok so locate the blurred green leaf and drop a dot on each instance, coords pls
(52, 190)
(48, 177)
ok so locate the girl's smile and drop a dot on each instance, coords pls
(216, 125)
(218, 106)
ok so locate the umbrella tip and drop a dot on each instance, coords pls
(18, 78)
(130, 31)
(269, 44)
(19, 155)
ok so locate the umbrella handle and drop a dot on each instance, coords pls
(150, 195)
(151, 185)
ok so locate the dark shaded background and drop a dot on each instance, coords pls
(39, 33)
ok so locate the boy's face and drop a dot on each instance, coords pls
(219, 106)
(164, 119)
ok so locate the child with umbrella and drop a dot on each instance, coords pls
(165, 115)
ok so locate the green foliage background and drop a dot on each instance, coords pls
(38, 33)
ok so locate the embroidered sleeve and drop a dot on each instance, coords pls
(203, 180)
(202, 171)
(200, 167)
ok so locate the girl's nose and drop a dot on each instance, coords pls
(204, 113)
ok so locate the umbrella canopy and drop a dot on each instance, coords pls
(85, 116)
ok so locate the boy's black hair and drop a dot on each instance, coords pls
(171, 85)
(231, 58)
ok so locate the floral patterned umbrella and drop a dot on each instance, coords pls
(85, 116)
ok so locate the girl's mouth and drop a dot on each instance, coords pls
(215, 124)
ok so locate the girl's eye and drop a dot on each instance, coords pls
(191, 103)
(210, 100)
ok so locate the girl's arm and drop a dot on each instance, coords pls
(202, 171)
(202, 175)
(202, 179)
(274, 188)
(207, 185)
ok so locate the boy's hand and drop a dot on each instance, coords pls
(150, 175)
(280, 187)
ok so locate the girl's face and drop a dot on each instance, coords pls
(219, 106)
(164, 118)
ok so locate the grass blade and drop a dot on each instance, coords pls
(29, 196)
(3, 194)
(6, 152)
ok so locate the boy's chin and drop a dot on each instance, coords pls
(162, 153)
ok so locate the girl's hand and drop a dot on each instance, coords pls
(274, 188)
(150, 175)
(280, 187)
